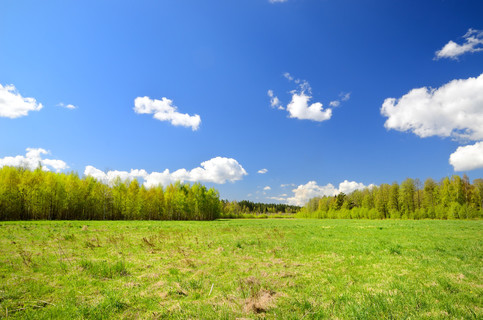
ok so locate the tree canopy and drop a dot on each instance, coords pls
(452, 198)
(38, 194)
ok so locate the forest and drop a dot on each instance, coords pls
(44, 195)
(239, 209)
(450, 198)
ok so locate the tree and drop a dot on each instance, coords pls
(406, 196)
(430, 197)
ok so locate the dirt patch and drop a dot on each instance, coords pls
(261, 302)
(258, 299)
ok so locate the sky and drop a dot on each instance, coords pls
(265, 100)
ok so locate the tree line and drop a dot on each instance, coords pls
(235, 209)
(451, 198)
(43, 195)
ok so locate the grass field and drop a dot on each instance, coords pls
(228, 269)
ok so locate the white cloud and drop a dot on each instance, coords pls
(288, 76)
(217, 170)
(262, 171)
(68, 106)
(299, 108)
(13, 105)
(345, 96)
(275, 1)
(267, 188)
(32, 159)
(274, 101)
(288, 185)
(281, 198)
(467, 158)
(304, 193)
(311, 189)
(453, 110)
(334, 103)
(165, 110)
(473, 43)
(111, 176)
(350, 186)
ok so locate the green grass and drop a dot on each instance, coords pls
(228, 269)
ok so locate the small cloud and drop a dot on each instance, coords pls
(345, 96)
(349, 186)
(281, 199)
(288, 76)
(300, 106)
(277, 1)
(262, 171)
(165, 110)
(68, 106)
(334, 103)
(13, 105)
(287, 185)
(267, 188)
(452, 50)
(274, 101)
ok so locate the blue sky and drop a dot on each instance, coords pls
(87, 62)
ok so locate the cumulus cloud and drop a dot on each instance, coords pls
(67, 106)
(165, 110)
(350, 186)
(305, 192)
(13, 105)
(217, 170)
(111, 176)
(473, 43)
(452, 110)
(262, 171)
(301, 107)
(267, 188)
(467, 157)
(32, 159)
(311, 189)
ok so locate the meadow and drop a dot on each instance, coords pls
(248, 269)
